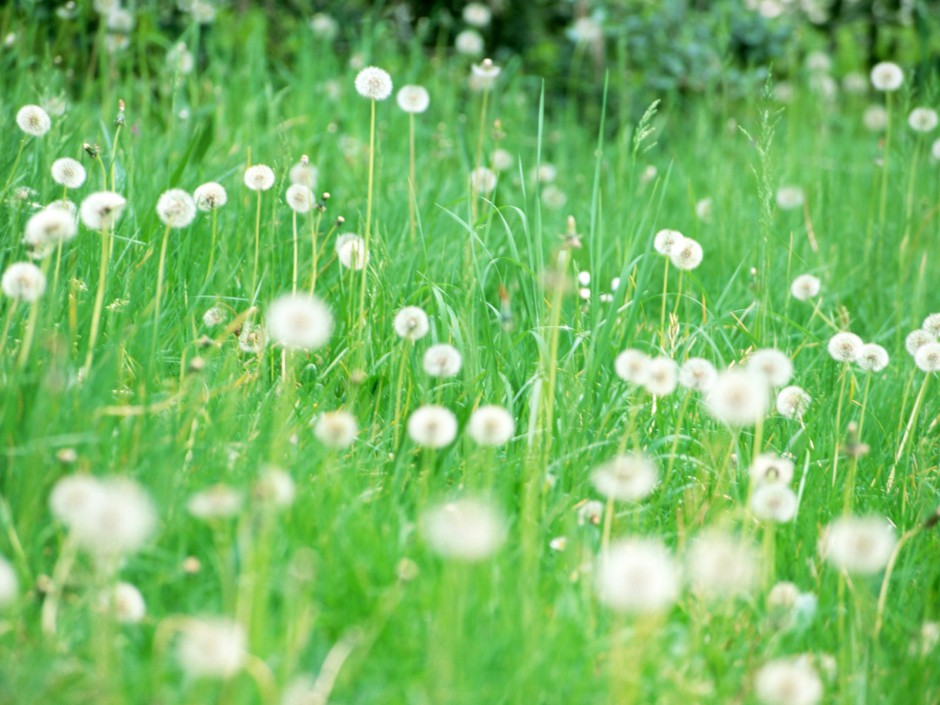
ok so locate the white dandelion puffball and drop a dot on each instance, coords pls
(774, 502)
(305, 174)
(501, 160)
(783, 596)
(738, 398)
(411, 323)
(491, 425)
(476, 14)
(374, 83)
(666, 241)
(922, 119)
(872, 357)
(769, 468)
(793, 402)
(73, 495)
(125, 602)
(48, 228)
(351, 251)
(916, 339)
(697, 374)
(553, 197)
(482, 180)
(721, 566)
(703, 209)
(928, 357)
(252, 338)
(774, 365)
(117, 520)
(259, 177)
(442, 360)
(324, 26)
(886, 76)
(789, 197)
(176, 208)
(300, 198)
(631, 366)
(627, 478)
(875, 118)
(211, 648)
(469, 42)
(413, 99)
(585, 30)
(336, 429)
(210, 196)
(299, 322)
(216, 502)
(33, 120)
(9, 585)
(858, 544)
(931, 324)
(687, 255)
(637, 576)
(662, 376)
(23, 281)
(466, 529)
(213, 317)
(179, 59)
(275, 488)
(590, 512)
(68, 172)
(486, 70)
(845, 347)
(432, 426)
(805, 287)
(788, 682)
(101, 210)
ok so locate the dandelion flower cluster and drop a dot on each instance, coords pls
(442, 360)
(101, 210)
(923, 119)
(738, 398)
(927, 357)
(49, 228)
(793, 402)
(631, 366)
(661, 376)
(209, 196)
(336, 429)
(300, 198)
(872, 357)
(845, 347)
(413, 99)
(687, 255)
(259, 177)
(697, 374)
(805, 287)
(775, 502)
(886, 76)
(774, 365)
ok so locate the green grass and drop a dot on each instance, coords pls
(346, 563)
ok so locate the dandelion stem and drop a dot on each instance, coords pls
(911, 420)
(889, 569)
(6, 324)
(314, 229)
(215, 222)
(114, 150)
(367, 237)
(411, 175)
(16, 163)
(160, 269)
(478, 162)
(99, 296)
(294, 231)
(836, 440)
(662, 313)
(254, 276)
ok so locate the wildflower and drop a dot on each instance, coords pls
(858, 544)
(886, 76)
(176, 208)
(213, 316)
(482, 180)
(442, 360)
(211, 648)
(703, 209)
(931, 324)
(553, 197)
(686, 255)
(721, 565)
(465, 529)
(476, 14)
(68, 172)
(304, 173)
(783, 596)
(336, 429)
(210, 196)
(771, 469)
(585, 30)
(217, 502)
(9, 585)
(411, 323)
(661, 376)
(413, 99)
(491, 426)
(180, 60)
(922, 119)
(697, 374)
(100, 210)
(928, 357)
(631, 366)
(872, 357)
(627, 478)
(324, 26)
(738, 398)
(469, 43)
(805, 287)
(275, 488)
(252, 339)
(300, 322)
(637, 576)
(665, 242)
(114, 520)
(126, 603)
(48, 228)
(23, 281)
(845, 347)
(33, 120)
(351, 251)
(775, 366)
(300, 198)
(793, 402)
(120, 20)
(789, 197)
(202, 12)
(916, 339)
(485, 73)
(854, 82)
(373, 83)
(501, 160)
(875, 118)
(259, 177)
(774, 502)
(72, 496)
(590, 512)
(788, 682)
(432, 426)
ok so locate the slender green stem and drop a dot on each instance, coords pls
(160, 269)
(412, 219)
(254, 275)
(215, 222)
(99, 296)
(294, 231)
(368, 234)
(6, 324)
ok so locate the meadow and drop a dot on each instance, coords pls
(317, 390)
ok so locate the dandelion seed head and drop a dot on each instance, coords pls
(845, 347)
(213, 317)
(68, 172)
(703, 209)
(637, 576)
(351, 251)
(923, 119)
(769, 468)
(662, 376)
(501, 160)
(873, 358)
(300, 198)
(775, 366)
(33, 120)
(304, 174)
(324, 26)
(217, 502)
(23, 281)
(886, 76)
(491, 425)
(665, 242)
(858, 544)
(687, 255)
(788, 682)
(336, 429)
(252, 338)
(411, 323)
(469, 42)
(783, 596)
(789, 197)
(101, 210)
(875, 118)
(209, 196)
(697, 374)
(176, 208)
(180, 60)
(476, 14)
(115, 521)
(432, 426)
(482, 180)
(466, 529)
(805, 287)
(125, 603)
(793, 402)
(721, 566)
(927, 357)
(442, 360)
(259, 177)
(590, 512)
(585, 30)
(738, 398)
(120, 20)
(931, 324)
(773, 501)
(49, 228)
(626, 478)
(373, 83)
(275, 488)
(916, 339)
(413, 99)
(631, 366)
(553, 197)
(299, 322)
(211, 648)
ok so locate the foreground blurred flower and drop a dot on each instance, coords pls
(697, 374)
(927, 357)
(774, 502)
(275, 488)
(211, 648)
(661, 376)
(125, 603)
(872, 357)
(772, 364)
(858, 544)
(476, 14)
(100, 210)
(336, 429)
(637, 576)
(442, 360)
(627, 478)
(789, 197)
(432, 426)
(665, 242)
(469, 43)
(411, 323)
(33, 120)
(299, 322)
(217, 502)
(23, 281)
(769, 468)
(631, 366)
(48, 228)
(482, 180)
(304, 173)
(788, 682)
(351, 251)
(738, 398)
(491, 425)
(465, 529)
(373, 83)
(722, 566)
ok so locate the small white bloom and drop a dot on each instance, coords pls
(774, 502)
(661, 376)
(432, 426)
(873, 358)
(631, 366)
(299, 322)
(373, 83)
(33, 120)
(627, 478)
(351, 251)
(788, 682)
(216, 502)
(875, 118)
(789, 197)
(476, 14)
(805, 287)
(845, 347)
(324, 26)
(126, 603)
(68, 172)
(23, 281)
(665, 242)
(469, 42)
(793, 402)
(722, 566)
(442, 360)
(49, 228)
(176, 208)
(769, 468)
(101, 210)
(738, 398)
(466, 529)
(336, 429)
(590, 512)
(886, 76)
(9, 585)
(413, 99)
(637, 576)
(482, 180)
(774, 365)
(411, 323)
(703, 209)
(697, 374)
(213, 316)
(931, 324)
(211, 648)
(501, 160)
(275, 488)
(491, 425)
(916, 339)
(209, 196)
(858, 544)
(923, 119)
(300, 198)
(305, 174)
(686, 255)
(115, 521)
(259, 177)
(928, 357)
